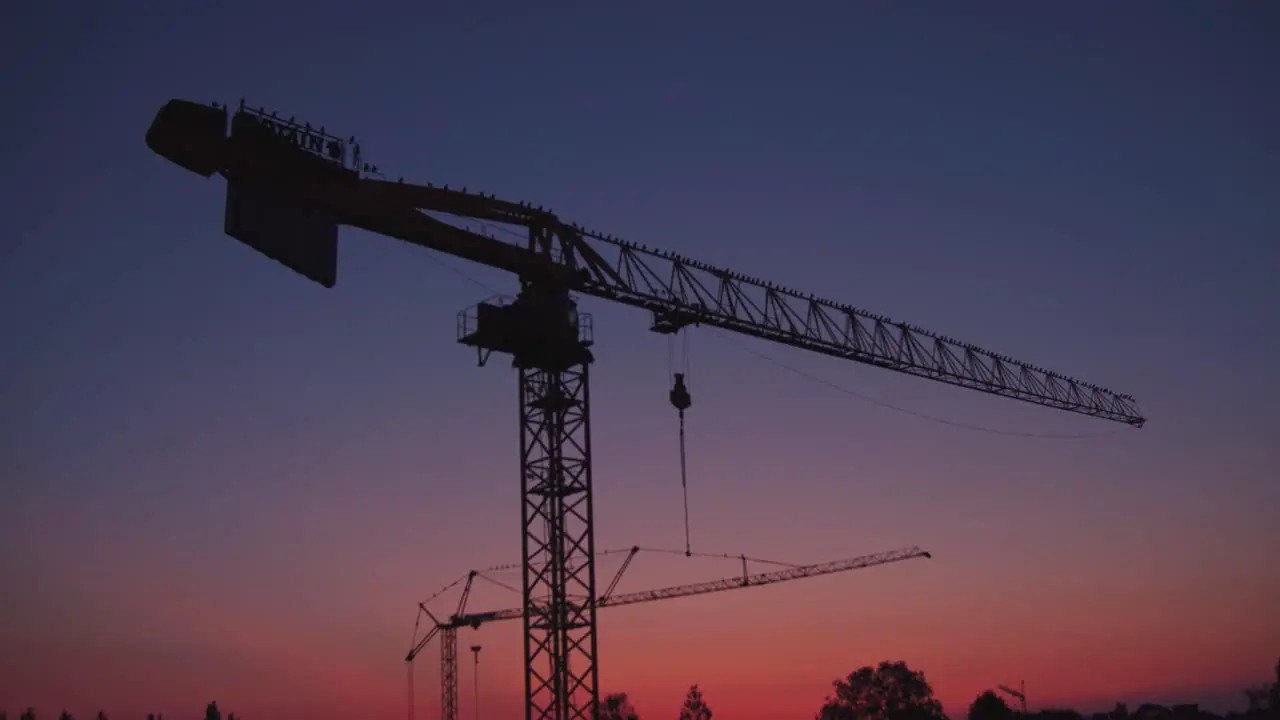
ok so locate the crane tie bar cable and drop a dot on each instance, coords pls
(684, 488)
(682, 400)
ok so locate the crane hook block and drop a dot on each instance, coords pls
(680, 397)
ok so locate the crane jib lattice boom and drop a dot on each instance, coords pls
(679, 291)
(798, 572)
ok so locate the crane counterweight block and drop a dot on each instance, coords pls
(269, 183)
(297, 237)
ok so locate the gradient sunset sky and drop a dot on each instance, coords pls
(222, 482)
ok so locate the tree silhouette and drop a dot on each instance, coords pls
(28, 714)
(1266, 697)
(891, 691)
(1273, 696)
(695, 708)
(100, 716)
(65, 716)
(990, 706)
(617, 707)
(211, 712)
(1258, 698)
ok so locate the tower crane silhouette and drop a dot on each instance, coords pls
(289, 188)
(447, 629)
(1020, 694)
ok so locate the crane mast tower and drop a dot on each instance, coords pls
(289, 188)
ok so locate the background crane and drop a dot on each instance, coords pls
(289, 188)
(447, 629)
(1020, 694)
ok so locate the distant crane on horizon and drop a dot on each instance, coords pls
(1020, 694)
(448, 629)
(289, 188)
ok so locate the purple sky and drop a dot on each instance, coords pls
(221, 481)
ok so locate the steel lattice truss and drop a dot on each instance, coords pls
(677, 286)
(683, 291)
(799, 572)
(559, 575)
(448, 672)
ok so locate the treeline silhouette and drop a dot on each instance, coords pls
(211, 712)
(893, 691)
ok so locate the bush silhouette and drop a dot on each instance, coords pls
(695, 708)
(891, 691)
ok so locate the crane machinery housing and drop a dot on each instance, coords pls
(289, 188)
(448, 629)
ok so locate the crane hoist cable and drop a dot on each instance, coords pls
(681, 400)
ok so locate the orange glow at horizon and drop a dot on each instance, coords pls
(786, 648)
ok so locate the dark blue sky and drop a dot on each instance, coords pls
(1091, 189)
